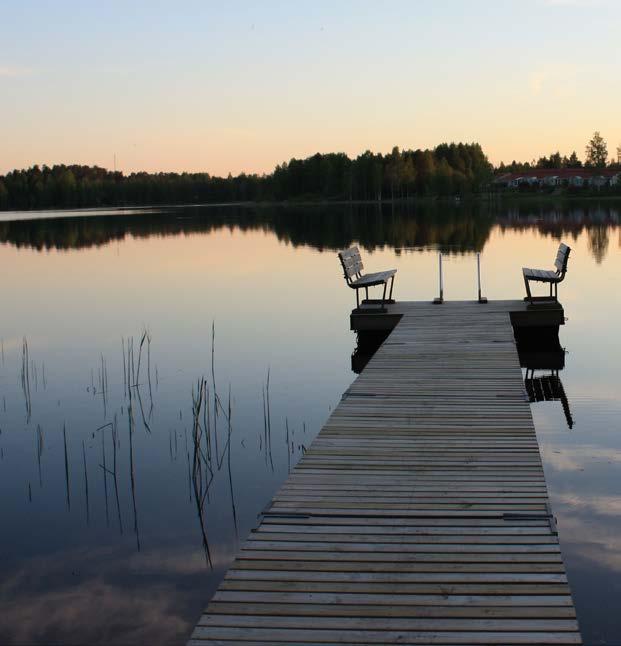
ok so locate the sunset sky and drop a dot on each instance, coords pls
(242, 86)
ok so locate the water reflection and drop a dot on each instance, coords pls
(207, 451)
(367, 344)
(598, 242)
(541, 351)
(446, 226)
(124, 500)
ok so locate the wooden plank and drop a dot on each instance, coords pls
(392, 588)
(428, 564)
(433, 624)
(410, 600)
(347, 636)
(419, 515)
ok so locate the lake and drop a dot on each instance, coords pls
(112, 318)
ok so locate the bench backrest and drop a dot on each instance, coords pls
(562, 256)
(351, 263)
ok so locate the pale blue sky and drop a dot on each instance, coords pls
(242, 86)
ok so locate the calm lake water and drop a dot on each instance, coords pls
(106, 535)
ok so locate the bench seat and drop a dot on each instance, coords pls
(377, 278)
(541, 275)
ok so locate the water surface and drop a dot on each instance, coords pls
(130, 554)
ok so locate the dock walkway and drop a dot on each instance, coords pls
(419, 515)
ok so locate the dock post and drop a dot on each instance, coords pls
(482, 299)
(440, 299)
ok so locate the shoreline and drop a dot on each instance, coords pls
(453, 201)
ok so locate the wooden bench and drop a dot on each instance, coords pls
(552, 276)
(352, 268)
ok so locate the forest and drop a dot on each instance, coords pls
(447, 170)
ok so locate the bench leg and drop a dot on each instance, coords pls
(384, 296)
(392, 282)
(528, 294)
(357, 301)
(366, 291)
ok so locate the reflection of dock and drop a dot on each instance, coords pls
(419, 514)
(547, 387)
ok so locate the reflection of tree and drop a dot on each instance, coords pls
(566, 219)
(333, 227)
(598, 242)
(447, 226)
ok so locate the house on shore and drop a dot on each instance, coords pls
(559, 177)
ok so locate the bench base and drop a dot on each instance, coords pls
(548, 314)
(541, 299)
(377, 301)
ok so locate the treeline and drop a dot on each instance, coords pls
(596, 156)
(555, 160)
(447, 170)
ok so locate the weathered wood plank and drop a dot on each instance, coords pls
(419, 515)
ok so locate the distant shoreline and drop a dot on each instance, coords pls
(490, 198)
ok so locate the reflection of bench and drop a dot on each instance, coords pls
(352, 267)
(548, 388)
(554, 277)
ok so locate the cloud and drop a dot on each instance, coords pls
(601, 505)
(575, 459)
(591, 541)
(94, 611)
(181, 563)
(101, 596)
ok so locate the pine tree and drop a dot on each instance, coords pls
(597, 151)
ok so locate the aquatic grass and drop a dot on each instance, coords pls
(88, 517)
(105, 472)
(208, 438)
(132, 470)
(230, 431)
(200, 458)
(267, 421)
(149, 372)
(113, 472)
(213, 379)
(25, 379)
(287, 443)
(66, 467)
(39, 441)
(124, 365)
(115, 443)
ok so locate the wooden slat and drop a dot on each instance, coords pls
(419, 515)
(351, 261)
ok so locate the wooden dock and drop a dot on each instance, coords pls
(419, 515)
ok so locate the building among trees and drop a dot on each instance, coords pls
(558, 177)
